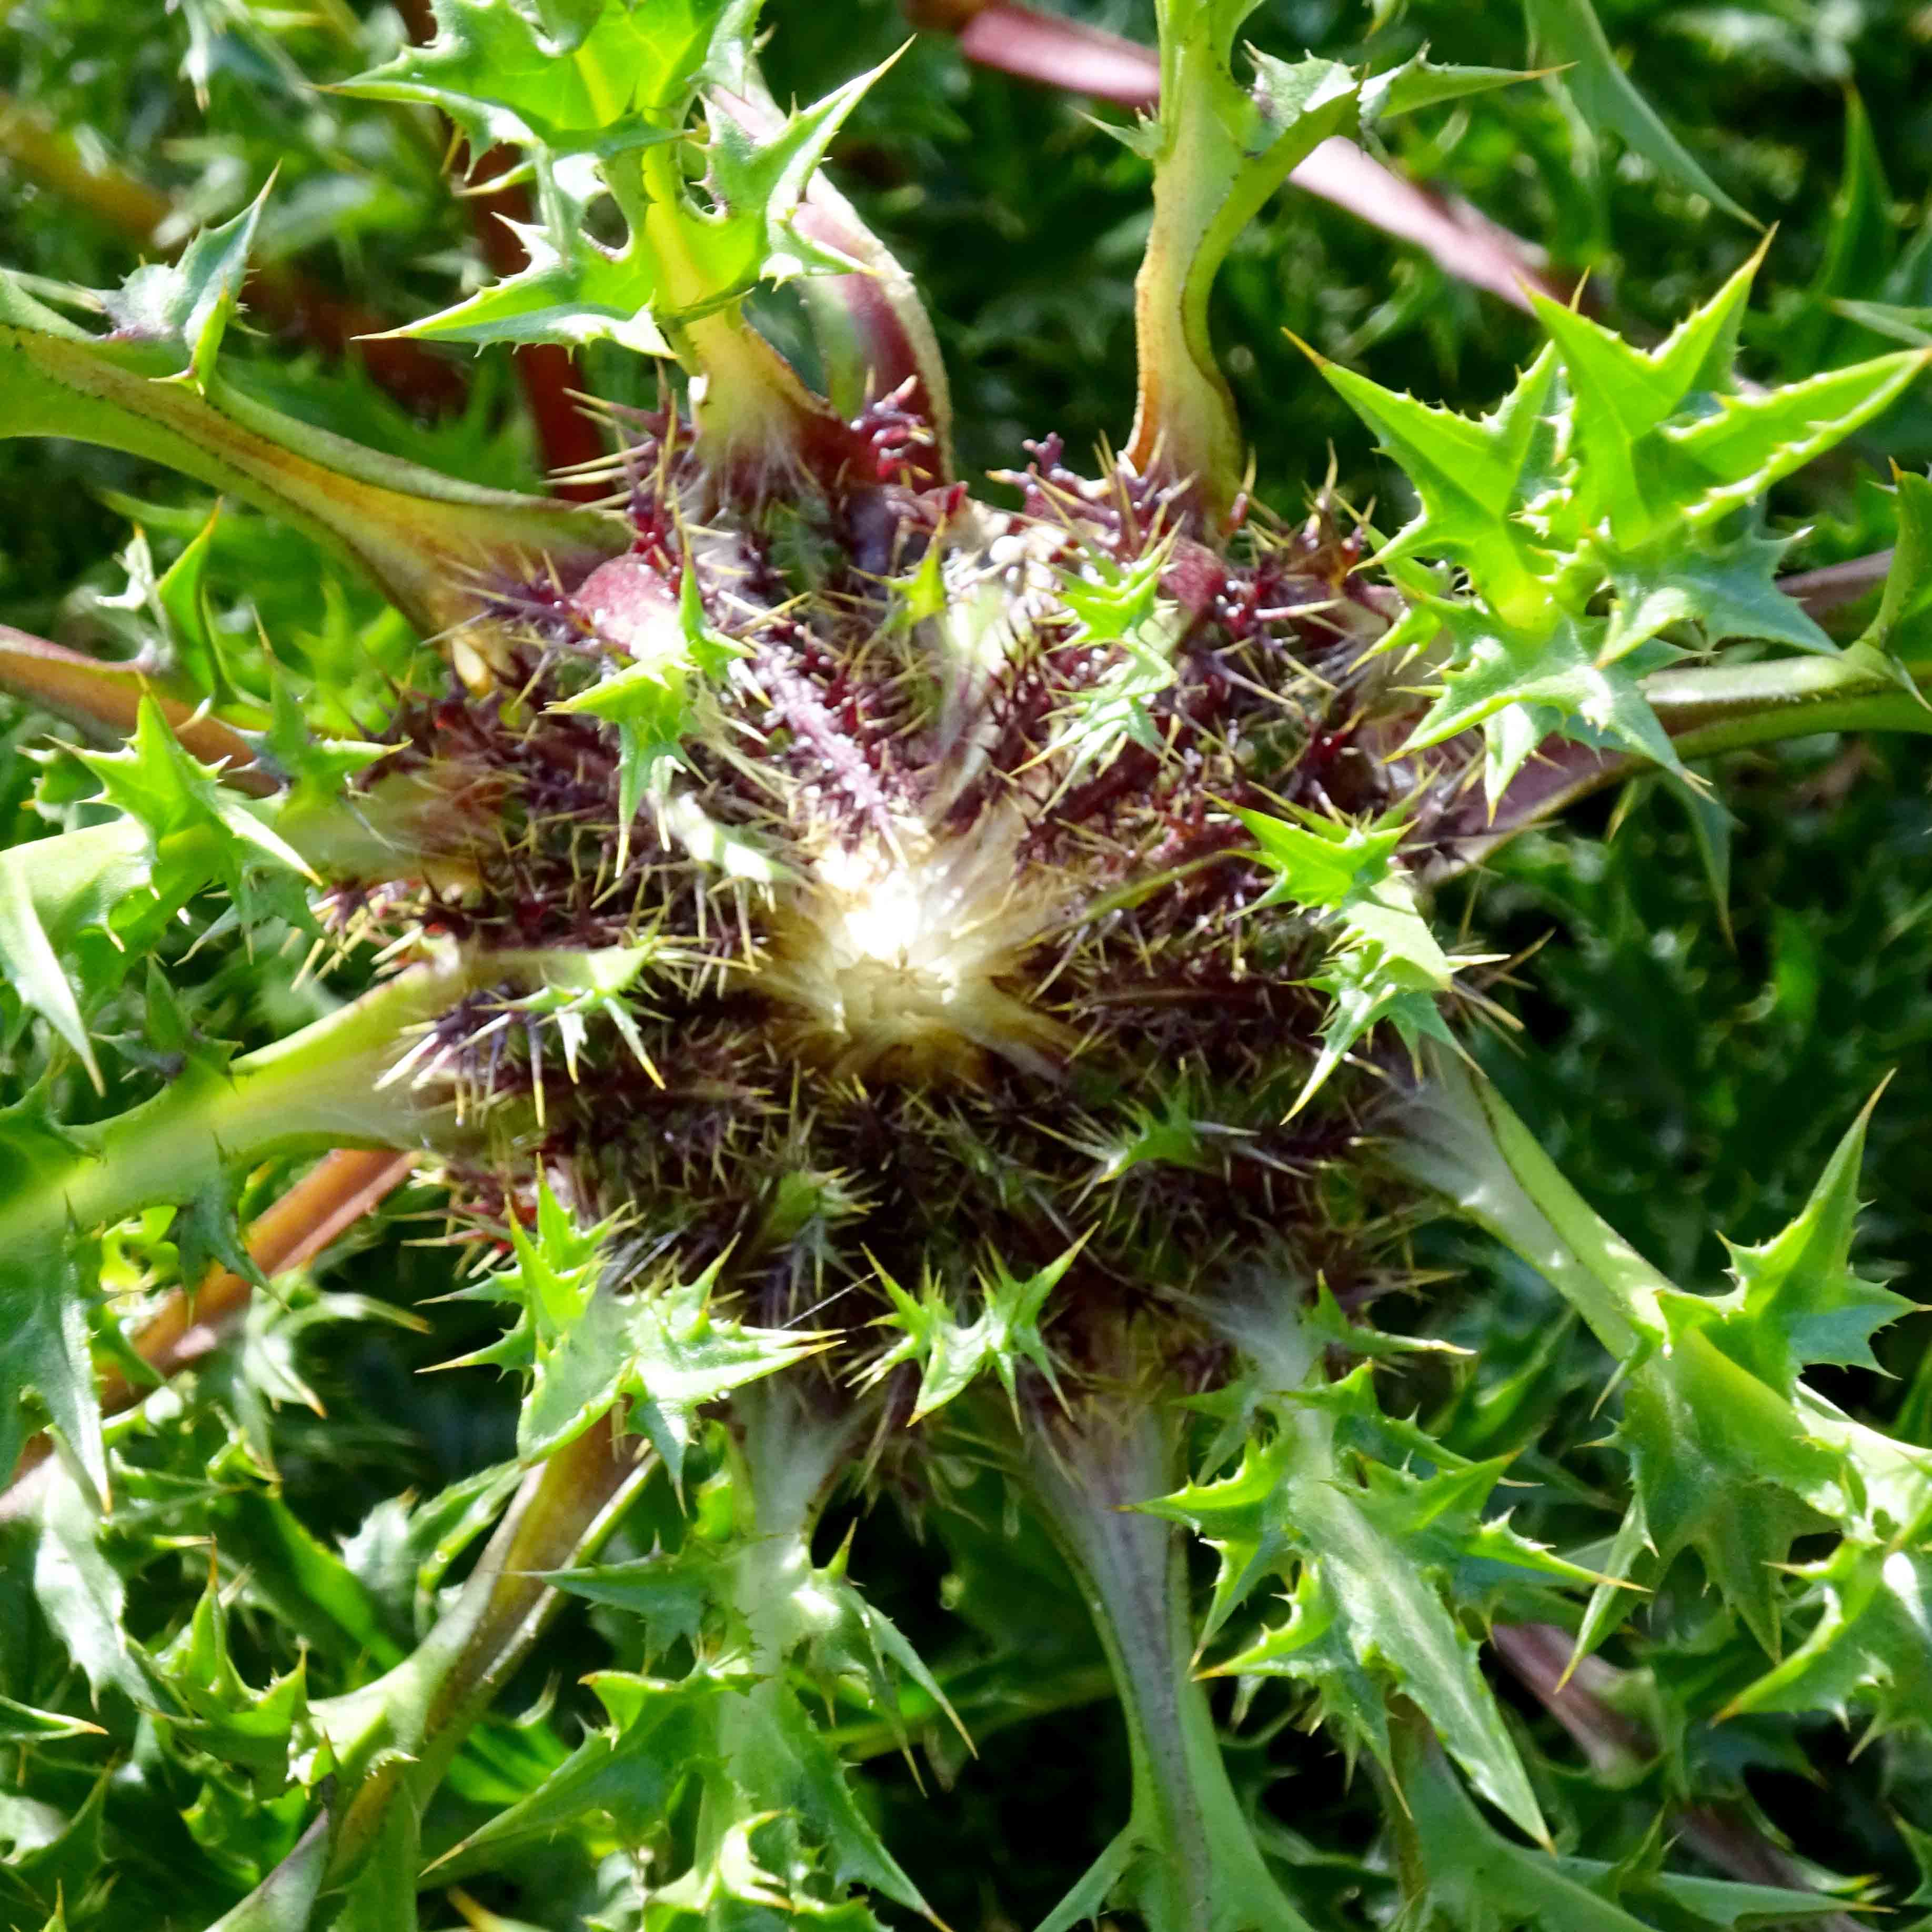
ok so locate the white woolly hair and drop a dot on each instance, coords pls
(895, 957)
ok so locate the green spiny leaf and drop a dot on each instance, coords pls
(1908, 584)
(1520, 684)
(315, 768)
(45, 1286)
(1385, 964)
(68, 1865)
(82, 1595)
(1418, 82)
(622, 78)
(628, 86)
(207, 1234)
(953, 1355)
(1476, 1880)
(1472, 476)
(285, 1900)
(1797, 1302)
(31, 966)
(188, 303)
(1369, 1564)
(1868, 1649)
(1623, 396)
(590, 1347)
(1748, 442)
(22, 1724)
(673, 648)
(1727, 590)
(180, 595)
(215, 1711)
(177, 799)
(673, 1595)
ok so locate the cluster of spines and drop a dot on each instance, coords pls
(1177, 997)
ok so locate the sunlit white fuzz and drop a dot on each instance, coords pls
(900, 959)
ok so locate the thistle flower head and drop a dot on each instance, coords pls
(896, 958)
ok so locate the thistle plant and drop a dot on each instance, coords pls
(915, 1007)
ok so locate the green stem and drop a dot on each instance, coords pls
(396, 1737)
(1187, 1860)
(1707, 710)
(1219, 150)
(310, 1092)
(430, 543)
(1185, 424)
(1725, 708)
(322, 1087)
(318, 1089)
(750, 412)
(1458, 1137)
(790, 1454)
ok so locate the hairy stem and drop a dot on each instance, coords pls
(431, 544)
(318, 1088)
(1707, 710)
(1463, 241)
(1460, 1139)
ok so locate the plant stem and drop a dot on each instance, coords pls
(1068, 54)
(105, 699)
(399, 1734)
(791, 1453)
(1707, 710)
(431, 543)
(875, 336)
(1460, 1138)
(334, 1195)
(1185, 424)
(752, 416)
(335, 1083)
(1187, 1860)
(316, 1087)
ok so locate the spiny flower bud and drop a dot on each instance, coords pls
(929, 815)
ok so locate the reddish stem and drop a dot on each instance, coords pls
(1817, 591)
(1037, 46)
(1617, 1746)
(107, 698)
(297, 306)
(330, 1198)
